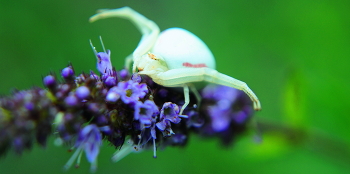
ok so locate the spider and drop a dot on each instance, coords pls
(174, 57)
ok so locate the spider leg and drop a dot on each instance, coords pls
(196, 94)
(153, 73)
(187, 98)
(181, 76)
(148, 28)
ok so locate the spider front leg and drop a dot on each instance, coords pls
(148, 28)
(176, 77)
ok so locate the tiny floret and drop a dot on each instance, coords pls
(67, 72)
(124, 73)
(71, 100)
(82, 92)
(110, 81)
(112, 95)
(104, 62)
(146, 113)
(136, 78)
(169, 113)
(89, 140)
(49, 81)
(229, 106)
(94, 76)
(130, 91)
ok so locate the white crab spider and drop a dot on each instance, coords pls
(175, 57)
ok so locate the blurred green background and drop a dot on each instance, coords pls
(293, 54)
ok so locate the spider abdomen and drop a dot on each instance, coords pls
(182, 49)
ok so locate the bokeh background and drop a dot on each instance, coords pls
(293, 54)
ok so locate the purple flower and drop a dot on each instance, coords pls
(80, 79)
(220, 118)
(71, 100)
(110, 81)
(82, 92)
(146, 113)
(178, 139)
(110, 78)
(240, 117)
(94, 76)
(130, 92)
(104, 62)
(224, 112)
(89, 140)
(169, 113)
(194, 119)
(67, 72)
(219, 92)
(30, 106)
(112, 96)
(49, 81)
(124, 74)
(136, 78)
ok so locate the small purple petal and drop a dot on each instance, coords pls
(136, 78)
(220, 118)
(90, 139)
(226, 108)
(224, 104)
(49, 81)
(161, 126)
(91, 151)
(169, 113)
(179, 139)
(101, 120)
(67, 72)
(219, 125)
(94, 107)
(209, 92)
(82, 92)
(94, 76)
(110, 81)
(123, 73)
(71, 100)
(145, 112)
(153, 133)
(219, 92)
(68, 117)
(106, 129)
(103, 62)
(112, 96)
(30, 106)
(240, 117)
(130, 91)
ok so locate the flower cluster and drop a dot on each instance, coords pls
(131, 112)
(227, 111)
